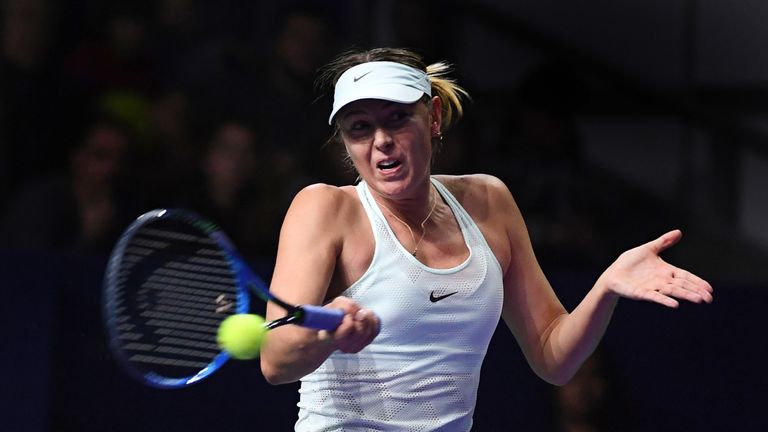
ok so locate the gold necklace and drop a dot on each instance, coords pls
(423, 228)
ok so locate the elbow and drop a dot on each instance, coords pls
(273, 374)
(558, 379)
(557, 376)
(290, 359)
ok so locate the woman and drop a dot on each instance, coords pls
(439, 259)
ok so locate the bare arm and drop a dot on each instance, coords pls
(310, 242)
(556, 342)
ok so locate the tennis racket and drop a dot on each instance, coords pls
(172, 278)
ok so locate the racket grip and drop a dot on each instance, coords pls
(320, 318)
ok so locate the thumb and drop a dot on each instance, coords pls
(666, 241)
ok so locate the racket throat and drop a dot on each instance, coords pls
(294, 316)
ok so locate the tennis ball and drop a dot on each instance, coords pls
(241, 335)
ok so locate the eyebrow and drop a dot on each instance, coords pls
(386, 104)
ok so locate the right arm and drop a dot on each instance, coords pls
(311, 239)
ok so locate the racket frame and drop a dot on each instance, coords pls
(246, 282)
(110, 301)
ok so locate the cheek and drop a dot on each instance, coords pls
(348, 152)
(355, 153)
(420, 142)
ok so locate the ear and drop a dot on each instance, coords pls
(436, 115)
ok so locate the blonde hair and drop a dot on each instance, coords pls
(448, 90)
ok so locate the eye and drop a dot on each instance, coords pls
(398, 117)
(358, 126)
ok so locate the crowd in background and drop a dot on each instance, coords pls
(108, 109)
(113, 108)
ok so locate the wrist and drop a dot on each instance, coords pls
(605, 289)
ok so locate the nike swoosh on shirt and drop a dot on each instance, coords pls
(434, 299)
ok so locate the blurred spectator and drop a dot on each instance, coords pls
(31, 119)
(542, 162)
(577, 213)
(305, 39)
(177, 38)
(236, 187)
(408, 30)
(592, 400)
(116, 56)
(200, 51)
(167, 160)
(110, 68)
(82, 210)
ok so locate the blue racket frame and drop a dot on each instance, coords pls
(311, 316)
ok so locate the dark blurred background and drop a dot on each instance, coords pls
(611, 122)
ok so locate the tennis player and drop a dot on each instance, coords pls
(438, 258)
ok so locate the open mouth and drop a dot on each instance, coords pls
(388, 164)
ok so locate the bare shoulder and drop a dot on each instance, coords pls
(326, 231)
(311, 239)
(479, 194)
(323, 197)
(321, 207)
(322, 201)
(316, 224)
(472, 184)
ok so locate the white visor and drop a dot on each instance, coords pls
(383, 80)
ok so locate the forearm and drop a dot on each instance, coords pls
(290, 353)
(572, 337)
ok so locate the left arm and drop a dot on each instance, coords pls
(556, 342)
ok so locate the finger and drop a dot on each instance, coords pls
(676, 290)
(657, 297)
(365, 326)
(355, 342)
(371, 320)
(362, 314)
(692, 277)
(366, 330)
(697, 288)
(666, 241)
(376, 324)
(347, 305)
(354, 333)
(344, 330)
(691, 282)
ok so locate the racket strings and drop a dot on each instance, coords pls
(183, 287)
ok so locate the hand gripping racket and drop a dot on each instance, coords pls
(172, 278)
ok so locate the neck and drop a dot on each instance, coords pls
(413, 209)
(420, 225)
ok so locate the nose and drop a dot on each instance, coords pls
(382, 139)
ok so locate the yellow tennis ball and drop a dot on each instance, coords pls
(241, 335)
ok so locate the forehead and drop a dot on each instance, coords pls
(371, 107)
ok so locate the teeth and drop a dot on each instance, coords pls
(387, 164)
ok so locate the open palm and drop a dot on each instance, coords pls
(641, 274)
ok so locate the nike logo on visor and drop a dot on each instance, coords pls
(356, 79)
(434, 299)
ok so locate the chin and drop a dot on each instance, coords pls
(400, 188)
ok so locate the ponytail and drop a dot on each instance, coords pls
(448, 90)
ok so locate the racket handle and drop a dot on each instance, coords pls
(320, 318)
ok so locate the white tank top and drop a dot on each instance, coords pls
(422, 371)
